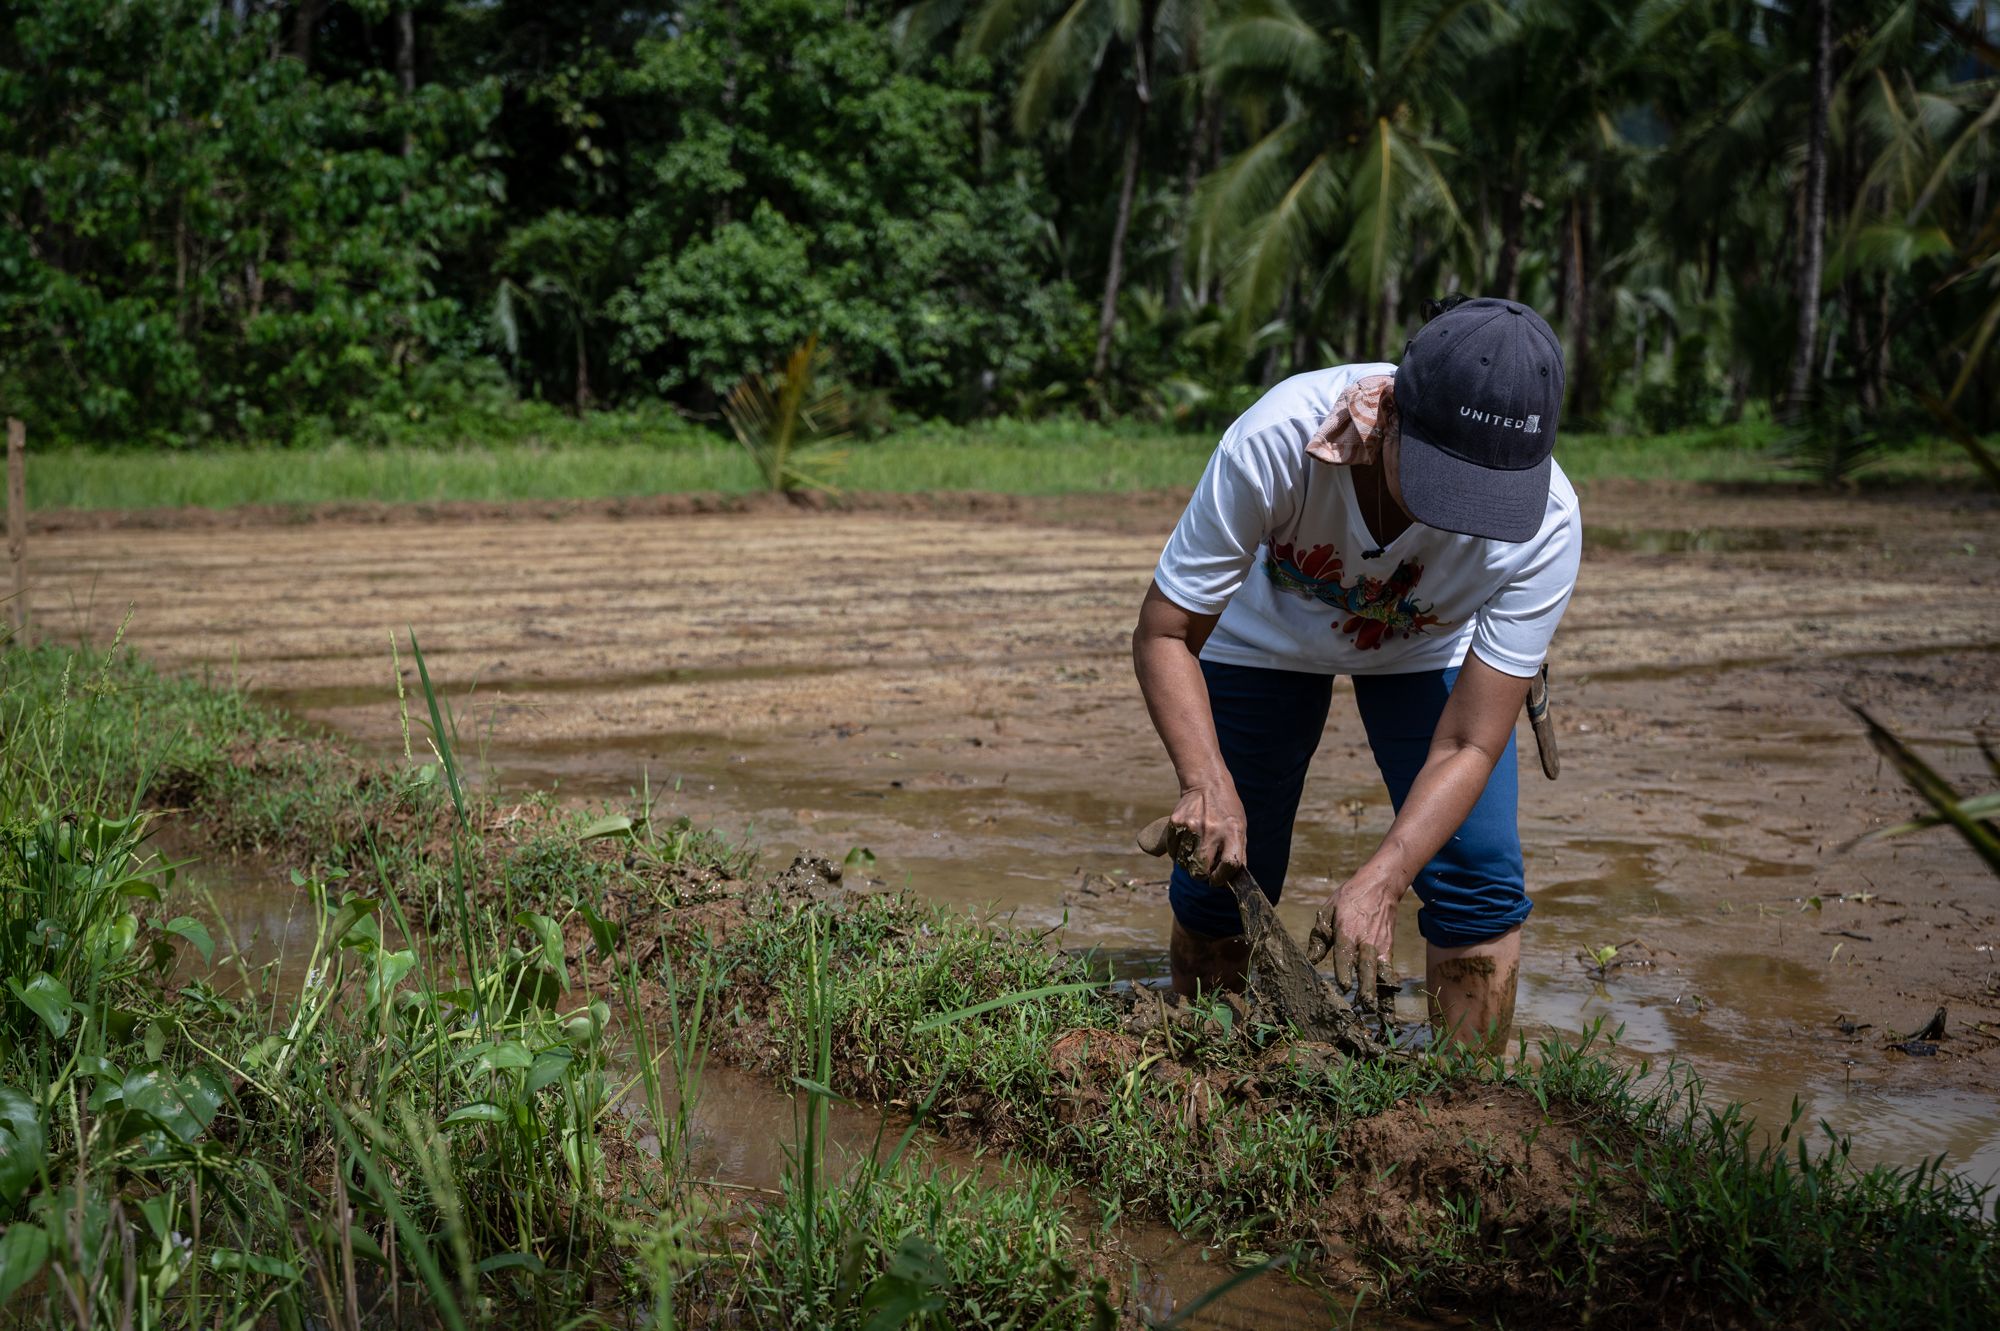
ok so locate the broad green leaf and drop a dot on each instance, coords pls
(352, 911)
(180, 1105)
(495, 1056)
(48, 998)
(388, 972)
(860, 857)
(141, 888)
(480, 1111)
(188, 927)
(23, 1149)
(911, 1288)
(550, 1066)
(24, 1247)
(156, 1041)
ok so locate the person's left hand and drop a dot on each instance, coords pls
(1358, 925)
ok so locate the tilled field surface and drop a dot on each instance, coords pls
(948, 684)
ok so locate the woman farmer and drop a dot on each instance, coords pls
(1405, 525)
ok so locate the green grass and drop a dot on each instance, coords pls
(420, 1122)
(611, 455)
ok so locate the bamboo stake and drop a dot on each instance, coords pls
(17, 519)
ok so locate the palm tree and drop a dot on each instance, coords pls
(1068, 44)
(1351, 178)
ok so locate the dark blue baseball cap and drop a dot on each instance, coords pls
(1478, 393)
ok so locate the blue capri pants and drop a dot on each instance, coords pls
(1269, 722)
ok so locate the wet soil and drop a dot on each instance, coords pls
(948, 685)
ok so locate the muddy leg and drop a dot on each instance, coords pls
(1199, 961)
(1472, 990)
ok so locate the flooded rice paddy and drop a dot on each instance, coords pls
(953, 694)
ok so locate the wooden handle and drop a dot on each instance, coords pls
(1156, 837)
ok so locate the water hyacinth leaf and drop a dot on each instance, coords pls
(479, 1111)
(549, 1067)
(23, 1149)
(549, 935)
(23, 1250)
(614, 825)
(387, 973)
(143, 889)
(188, 927)
(181, 1106)
(352, 911)
(46, 997)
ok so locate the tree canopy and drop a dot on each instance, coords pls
(228, 219)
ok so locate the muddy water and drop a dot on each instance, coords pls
(1757, 1028)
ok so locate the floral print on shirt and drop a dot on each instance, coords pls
(1375, 609)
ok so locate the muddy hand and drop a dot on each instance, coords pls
(1207, 844)
(1357, 926)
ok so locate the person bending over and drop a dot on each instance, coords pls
(1405, 525)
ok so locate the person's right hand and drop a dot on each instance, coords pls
(1213, 815)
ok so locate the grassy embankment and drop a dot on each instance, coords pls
(551, 457)
(433, 1119)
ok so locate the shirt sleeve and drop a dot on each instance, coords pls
(1246, 493)
(1517, 622)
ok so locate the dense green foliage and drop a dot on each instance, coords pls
(255, 220)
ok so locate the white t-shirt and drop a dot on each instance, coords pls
(1273, 541)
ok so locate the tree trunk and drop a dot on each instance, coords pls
(1812, 237)
(1114, 274)
(1128, 186)
(1582, 374)
(1507, 275)
(1190, 178)
(304, 24)
(582, 375)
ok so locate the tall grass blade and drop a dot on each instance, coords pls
(1935, 791)
(1006, 1000)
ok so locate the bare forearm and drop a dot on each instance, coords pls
(1177, 700)
(1443, 794)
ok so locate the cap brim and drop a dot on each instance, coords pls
(1452, 495)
